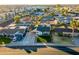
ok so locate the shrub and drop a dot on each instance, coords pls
(60, 34)
(6, 40)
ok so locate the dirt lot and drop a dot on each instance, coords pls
(42, 51)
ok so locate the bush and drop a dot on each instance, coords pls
(60, 34)
(6, 40)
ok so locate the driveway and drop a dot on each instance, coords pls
(28, 40)
(76, 41)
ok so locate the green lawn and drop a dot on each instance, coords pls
(44, 39)
(62, 40)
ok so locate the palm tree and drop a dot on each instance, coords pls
(52, 14)
(73, 25)
(40, 18)
(58, 7)
(46, 10)
(64, 11)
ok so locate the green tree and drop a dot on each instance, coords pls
(33, 17)
(5, 40)
(52, 14)
(46, 10)
(17, 18)
(40, 18)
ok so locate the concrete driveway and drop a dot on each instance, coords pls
(28, 40)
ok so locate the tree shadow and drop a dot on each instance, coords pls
(28, 49)
(66, 49)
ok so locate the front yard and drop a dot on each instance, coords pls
(45, 39)
(58, 39)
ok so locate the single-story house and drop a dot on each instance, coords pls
(26, 19)
(43, 30)
(65, 20)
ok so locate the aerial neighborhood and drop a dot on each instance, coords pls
(39, 25)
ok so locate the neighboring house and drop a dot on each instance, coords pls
(74, 13)
(38, 13)
(67, 31)
(43, 30)
(26, 21)
(53, 21)
(47, 19)
(65, 20)
(77, 17)
(12, 30)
